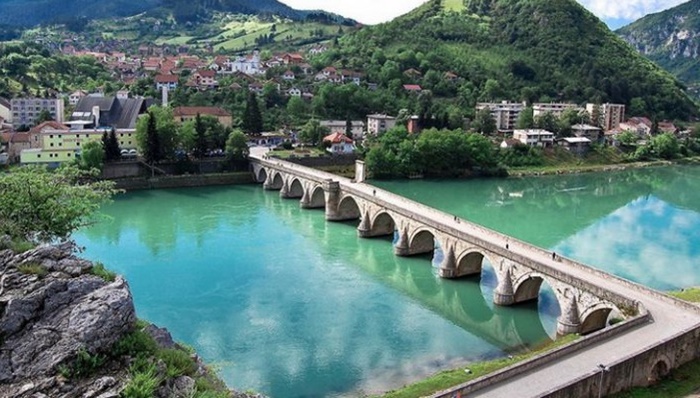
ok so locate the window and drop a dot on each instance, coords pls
(129, 143)
(51, 144)
(77, 143)
(68, 154)
(38, 155)
(60, 144)
(51, 136)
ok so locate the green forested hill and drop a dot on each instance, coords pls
(535, 50)
(36, 12)
(670, 38)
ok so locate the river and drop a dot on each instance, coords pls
(282, 302)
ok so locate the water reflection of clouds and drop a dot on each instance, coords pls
(647, 241)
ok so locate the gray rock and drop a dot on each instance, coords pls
(161, 335)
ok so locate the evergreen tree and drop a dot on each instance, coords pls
(252, 118)
(200, 146)
(110, 145)
(153, 151)
(526, 120)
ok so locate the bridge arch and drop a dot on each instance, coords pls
(659, 370)
(527, 288)
(260, 175)
(595, 317)
(382, 224)
(348, 208)
(274, 181)
(470, 263)
(296, 189)
(314, 197)
(422, 241)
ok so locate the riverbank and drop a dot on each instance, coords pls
(594, 168)
(184, 181)
(451, 378)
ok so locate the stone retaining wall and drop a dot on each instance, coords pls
(187, 181)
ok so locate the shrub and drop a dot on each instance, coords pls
(178, 362)
(84, 365)
(143, 383)
(33, 269)
(98, 269)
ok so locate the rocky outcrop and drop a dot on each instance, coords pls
(58, 320)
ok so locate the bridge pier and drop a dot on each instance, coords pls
(364, 230)
(569, 322)
(284, 191)
(448, 267)
(269, 184)
(401, 248)
(503, 295)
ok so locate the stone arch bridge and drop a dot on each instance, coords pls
(520, 268)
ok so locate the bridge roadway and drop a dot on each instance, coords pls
(668, 317)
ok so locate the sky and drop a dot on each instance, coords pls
(615, 13)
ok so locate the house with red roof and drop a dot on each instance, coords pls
(169, 81)
(185, 113)
(339, 144)
(412, 88)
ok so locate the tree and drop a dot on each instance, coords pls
(200, 146)
(484, 122)
(165, 134)
(152, 151)
(237, 148)
(548, 121)
(43, 206)
(627, 138)
(43, 116)
(92, 156)
(312, 133)
(252, 118)
(526, 120)
(110, 144)
(665, 146)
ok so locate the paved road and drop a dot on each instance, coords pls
(668, 318)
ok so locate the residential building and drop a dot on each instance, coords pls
(357, 127)
(26, 110)
(379, 123)
(412, 88)
(5, 110)
(288, 76)
(505, 113)
(294, 92)
(593, 133)
(339, 144)
(204, 79)
(75, 96)
(64, 145)
(13, 144)
(535, 137)
(108, 112)
(638, 125)
(185, 113)
(577, 145)
(667, 127)
(169, 81)
(611, 115)
(556, 109)
(293, 59)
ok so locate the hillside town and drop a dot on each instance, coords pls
(51, 130)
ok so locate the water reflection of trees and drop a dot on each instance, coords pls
(544, 210)
(160, 217)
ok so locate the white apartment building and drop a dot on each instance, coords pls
(26, 110)
(535, 137)
(379, 123)
(556, 109)
(611, 115)
(505, 113)
(357, 127)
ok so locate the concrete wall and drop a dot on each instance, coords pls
(201, 180)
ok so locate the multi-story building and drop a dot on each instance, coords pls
(52, 143)
(26, 110)
(556, 109)
(611, 115)
(185, 113)
(378, 123)
(536, 137)
(505, 113)
(357, 127)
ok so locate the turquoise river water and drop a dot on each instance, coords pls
(282, 302)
